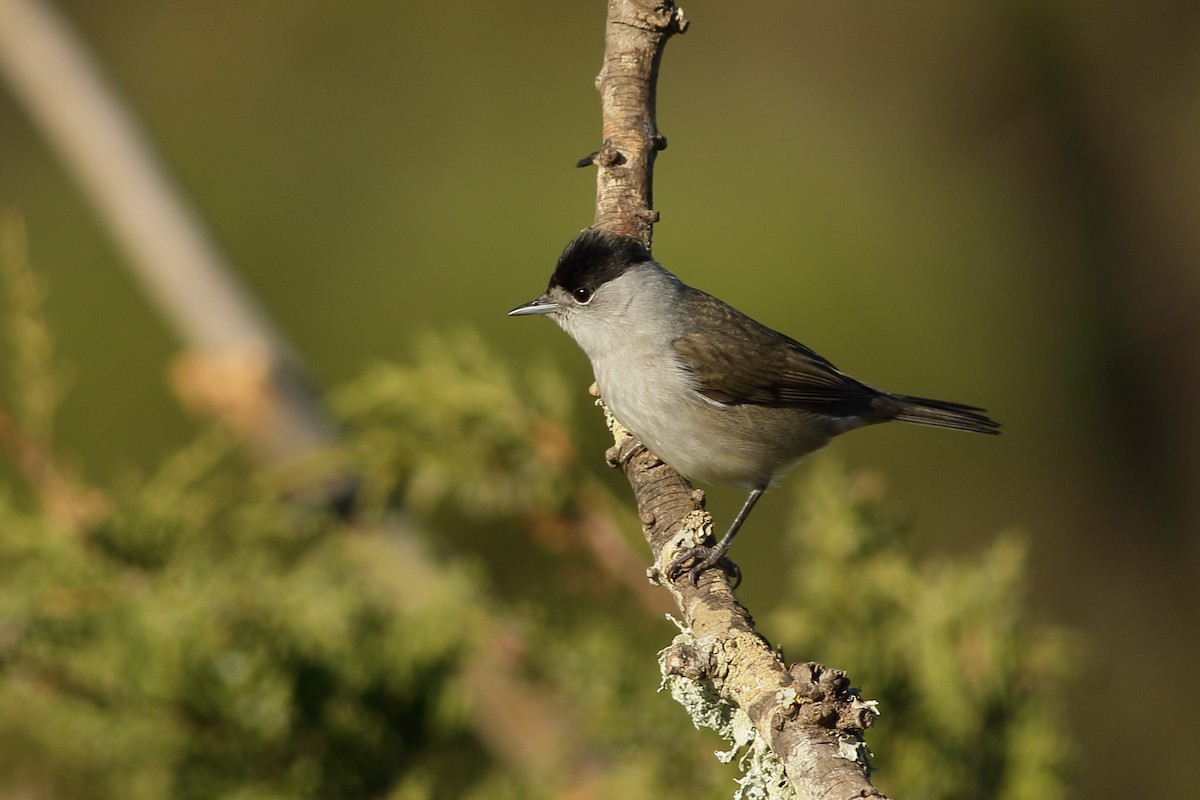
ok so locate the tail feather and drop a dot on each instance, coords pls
(944, 414)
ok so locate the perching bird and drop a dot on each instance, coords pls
(717, 396)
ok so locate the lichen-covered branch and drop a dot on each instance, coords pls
(806, 715)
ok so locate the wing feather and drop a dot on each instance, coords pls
(782, 372)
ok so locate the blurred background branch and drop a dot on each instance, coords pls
(240, 367)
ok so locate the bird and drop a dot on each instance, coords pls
(714, 394)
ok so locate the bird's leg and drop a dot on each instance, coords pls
(695, 560)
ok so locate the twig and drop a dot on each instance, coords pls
(27, 430)
(806, 715)
(67, 502)
(635, 34)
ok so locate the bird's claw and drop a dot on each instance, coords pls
(695, 560)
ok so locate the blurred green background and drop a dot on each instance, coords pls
(990, 203)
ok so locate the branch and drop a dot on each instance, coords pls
(239, 367)
(635, 34)
(805, 719)
(167, 247)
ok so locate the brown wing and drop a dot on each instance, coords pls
(782, 372)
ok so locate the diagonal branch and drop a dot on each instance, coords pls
(240, 368)
(245, 362)
(806, 715)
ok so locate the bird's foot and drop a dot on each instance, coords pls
(694, 560)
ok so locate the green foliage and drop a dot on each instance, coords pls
(458, 427)
(203, 634)
(970, 691)
(200, 632)
(211, 639)
(35, 385)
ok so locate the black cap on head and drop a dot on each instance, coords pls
(595, 257)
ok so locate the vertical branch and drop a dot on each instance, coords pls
(807, 717)
(636, 33)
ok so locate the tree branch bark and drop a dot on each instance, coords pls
(807, 716)
(635, 34)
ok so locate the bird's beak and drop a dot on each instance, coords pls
(541, 305)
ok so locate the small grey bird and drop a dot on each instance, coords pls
(717, 396)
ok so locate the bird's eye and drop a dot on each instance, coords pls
(582, 294)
